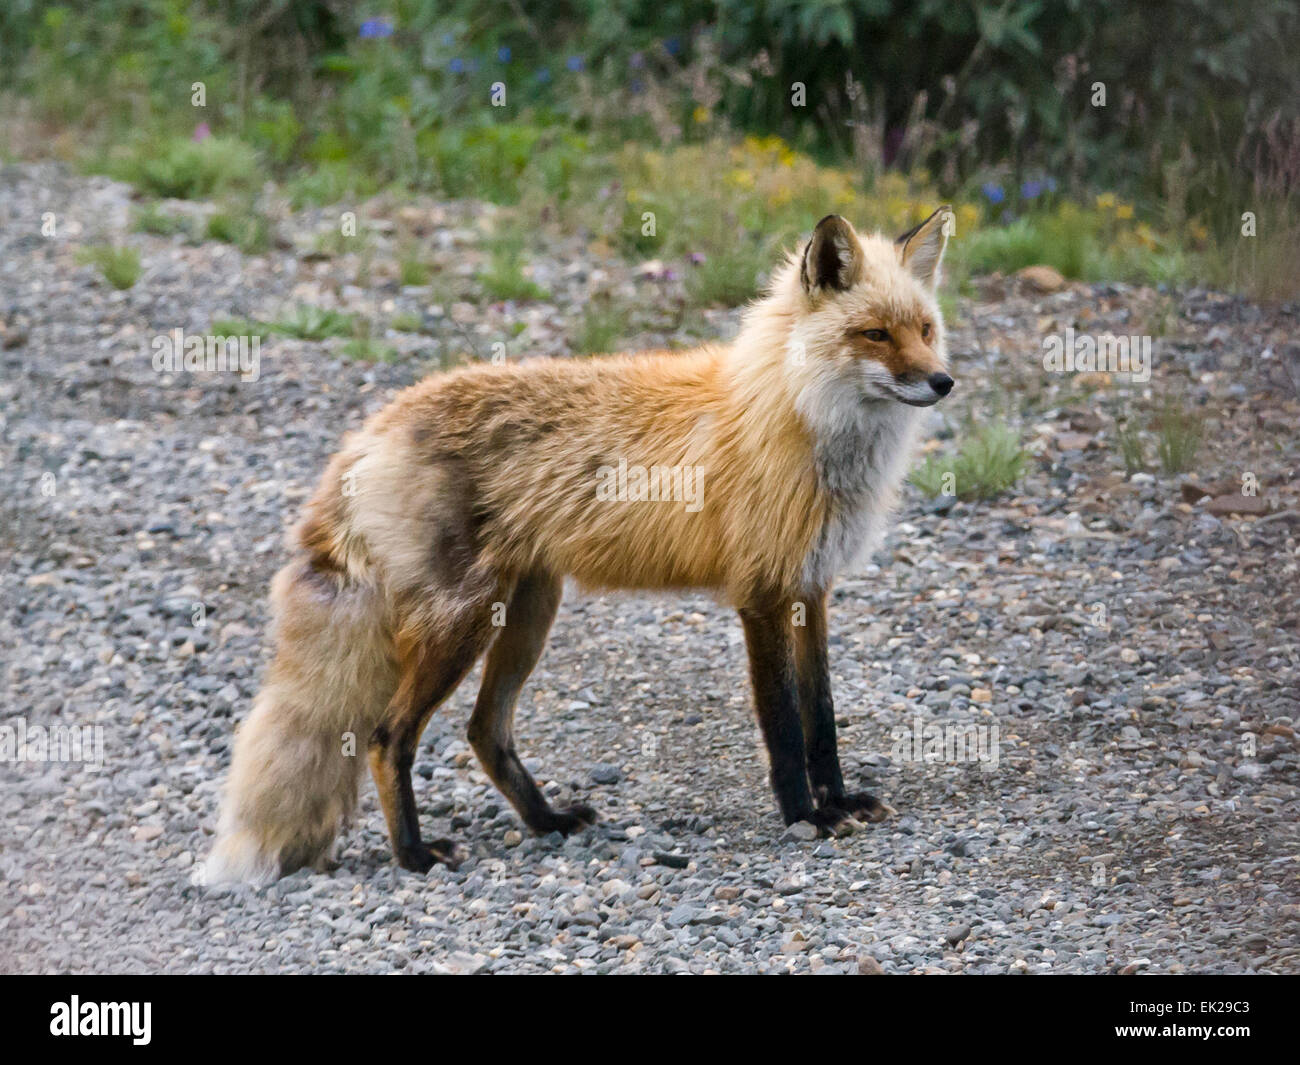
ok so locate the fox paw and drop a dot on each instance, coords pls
(865, 807)
(567, 820)
(834, 822)
(423, 856)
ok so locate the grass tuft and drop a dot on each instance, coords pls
(989, 462)
(120, 266)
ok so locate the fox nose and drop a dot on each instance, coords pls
(941, 383)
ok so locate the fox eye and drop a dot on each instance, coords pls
(878, 336)
(925, 331)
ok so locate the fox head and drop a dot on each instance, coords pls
(866, 320)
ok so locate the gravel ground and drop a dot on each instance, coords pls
(1135, 650)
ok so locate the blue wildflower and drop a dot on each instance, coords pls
(1031, 190)
(636, 86)
(544, 75)
(376, 27)
(636, 60)
(673, 45)
(457, 66)
(503, 53)
(574, 62)
(993, 193)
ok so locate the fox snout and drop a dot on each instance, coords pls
(923, 390)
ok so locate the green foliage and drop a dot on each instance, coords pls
(1091, 244)
(328, 183)
(243, 227)
(152, 219)
(187, 169)
(1131, 447)
(406, 322)
(368, 349)
(495, 161)
(728, 276)
(989, 461)
(1179, 435)
(413, 270)
(504, 278)
(604, 323)
(308, 322)
(1199, 114)
(120, 266)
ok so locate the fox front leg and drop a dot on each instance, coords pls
(817, 715)
(769, 642)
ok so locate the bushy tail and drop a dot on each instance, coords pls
(298, 756)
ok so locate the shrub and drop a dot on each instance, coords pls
(187, 169)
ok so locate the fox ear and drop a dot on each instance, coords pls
(832, 260)
(921, 248)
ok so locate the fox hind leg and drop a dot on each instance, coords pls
(518, 646)
(431, 668)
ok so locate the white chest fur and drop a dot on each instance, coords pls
(861, 453)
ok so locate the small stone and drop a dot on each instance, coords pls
(868, 966)
(956, 933)
(1043, 278)
(801, 831)
(1222, 506)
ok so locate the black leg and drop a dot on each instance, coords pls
(817, 713)
(816, 706)
(491, 727)
(771, 671)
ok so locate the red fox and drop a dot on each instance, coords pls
(444, 528)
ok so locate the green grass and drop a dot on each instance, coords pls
(603, 324)
(120, 266)
(329, 183)
(1131, 447)
(990, 461)
(405, 322)
(368, 349)
(728, 277)
(235, 327)
(152, 219)
(413, 270)
(504, 280)
(1179, 433)
(186, 169)
(307, 322)
(245, 228)
(1082, 242)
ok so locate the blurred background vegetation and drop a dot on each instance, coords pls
(1110, 140)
